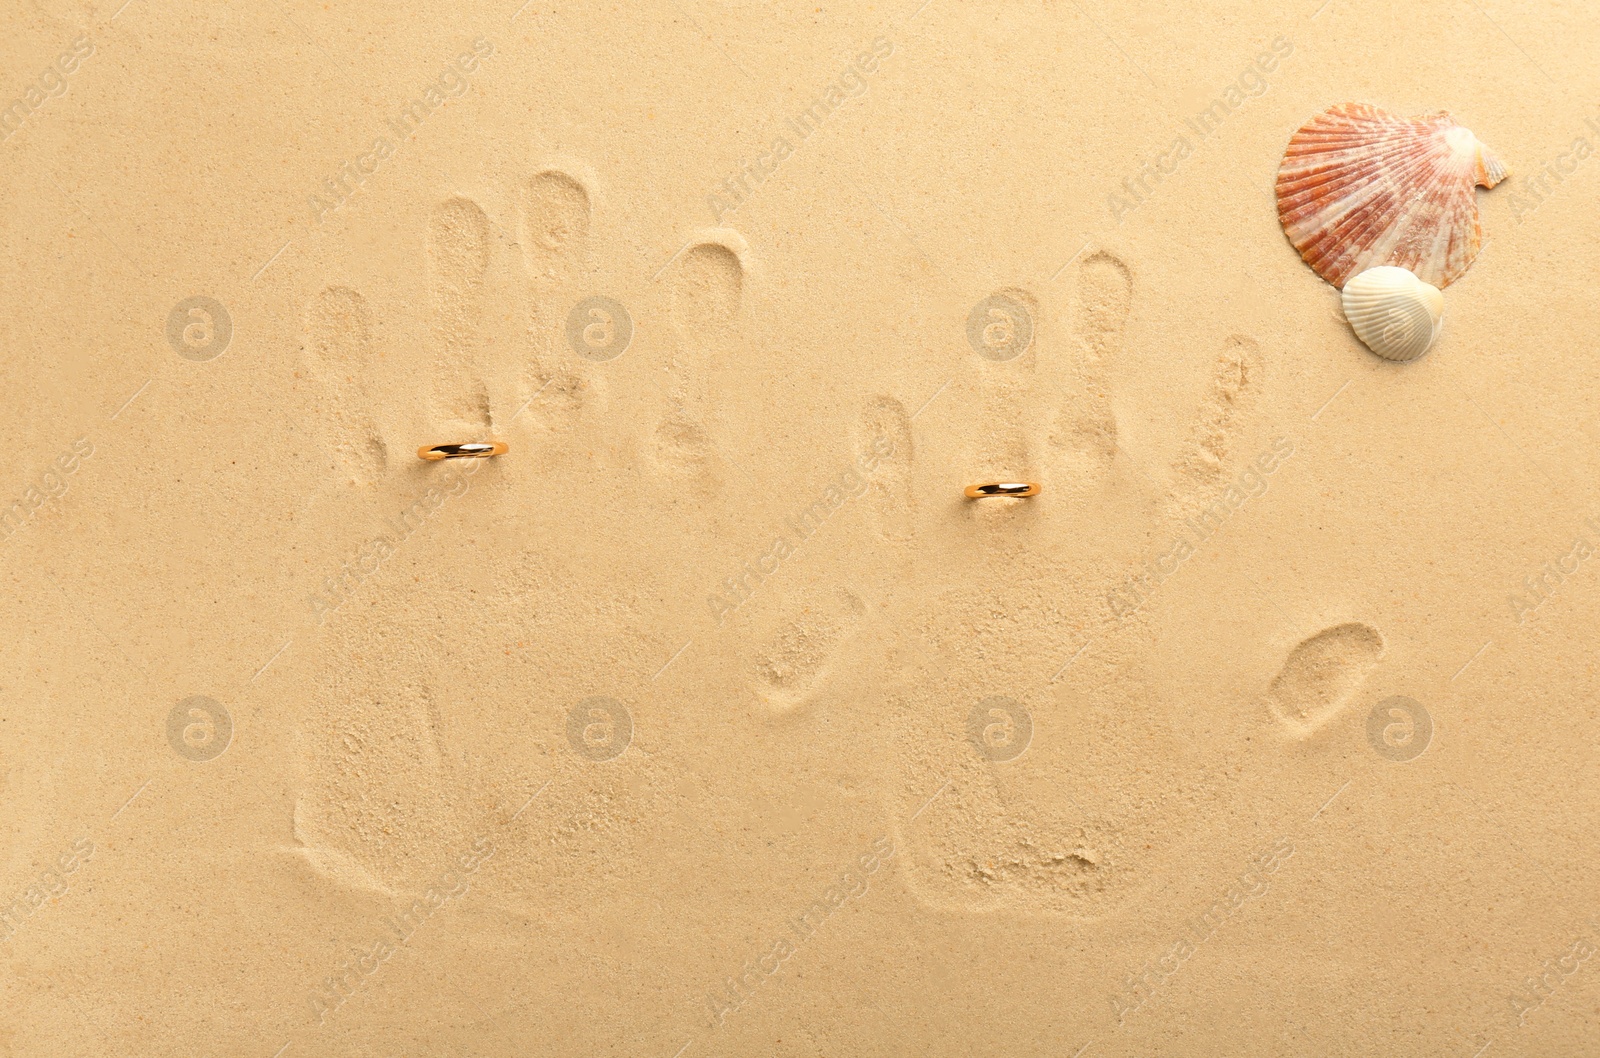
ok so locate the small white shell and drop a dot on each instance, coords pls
(1396, 314)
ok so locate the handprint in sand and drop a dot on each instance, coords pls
(394, 763)
(1068, 821)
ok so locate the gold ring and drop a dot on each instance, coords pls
(471, 450)
(1002, 488)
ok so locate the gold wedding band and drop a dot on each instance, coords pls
(471, 450)
(1002, 488)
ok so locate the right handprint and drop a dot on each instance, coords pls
(1028, 697)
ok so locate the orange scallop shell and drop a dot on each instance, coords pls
(1359, 188)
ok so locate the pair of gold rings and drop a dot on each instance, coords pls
(486, 449)
(471, 450)
(1018, 489)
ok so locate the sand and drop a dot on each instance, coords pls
(711, 719)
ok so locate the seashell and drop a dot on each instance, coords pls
(1396, 314)
(1360, 188)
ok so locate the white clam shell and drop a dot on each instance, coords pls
(1396, 314)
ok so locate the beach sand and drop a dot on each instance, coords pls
(711, 719)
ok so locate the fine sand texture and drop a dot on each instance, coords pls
(711, 719)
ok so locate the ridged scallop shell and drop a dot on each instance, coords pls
(1396, 314)
(1360, 188)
